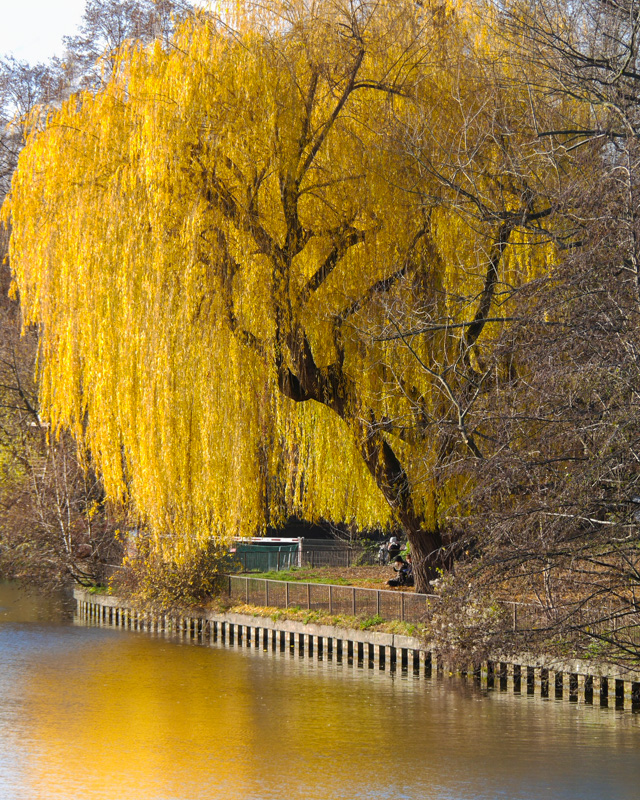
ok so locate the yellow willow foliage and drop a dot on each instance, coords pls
(153, 245)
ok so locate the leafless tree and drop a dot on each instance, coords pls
(106, 26)
(550, 517)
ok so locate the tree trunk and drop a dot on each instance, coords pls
(427, 556)
(333, 388)
(427, 553)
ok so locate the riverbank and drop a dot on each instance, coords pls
(96, 711)
(573, 680)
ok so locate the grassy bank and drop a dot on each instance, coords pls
(374, 623)
(374, 577)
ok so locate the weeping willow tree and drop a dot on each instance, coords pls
(224, 247)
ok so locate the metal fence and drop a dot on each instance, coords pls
(388, 605)
(318, 556)
(602, 620)
(265, 559)
(310, 556)
(350, 600)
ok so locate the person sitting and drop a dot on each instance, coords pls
(404, 571)
(409, 570)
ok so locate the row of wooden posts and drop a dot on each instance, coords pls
(365, 648)
(263, 634)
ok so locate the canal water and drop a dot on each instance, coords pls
(104, 714)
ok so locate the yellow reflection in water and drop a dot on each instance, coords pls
(140, 724)
(127, 716)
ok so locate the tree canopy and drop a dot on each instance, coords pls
(271, 260)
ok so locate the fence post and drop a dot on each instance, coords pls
(229, 585)
(349, 557)
(378, 602)
(309, 594)
(330, 599)
(515, 617)
(246, 590)
(402, 606)
(266, 592)
(287, 593)
(278, 565)
(353, 601)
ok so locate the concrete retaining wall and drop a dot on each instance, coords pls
(575, 681)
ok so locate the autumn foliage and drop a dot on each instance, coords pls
(271, 264)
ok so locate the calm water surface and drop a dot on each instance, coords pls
(101, 714)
